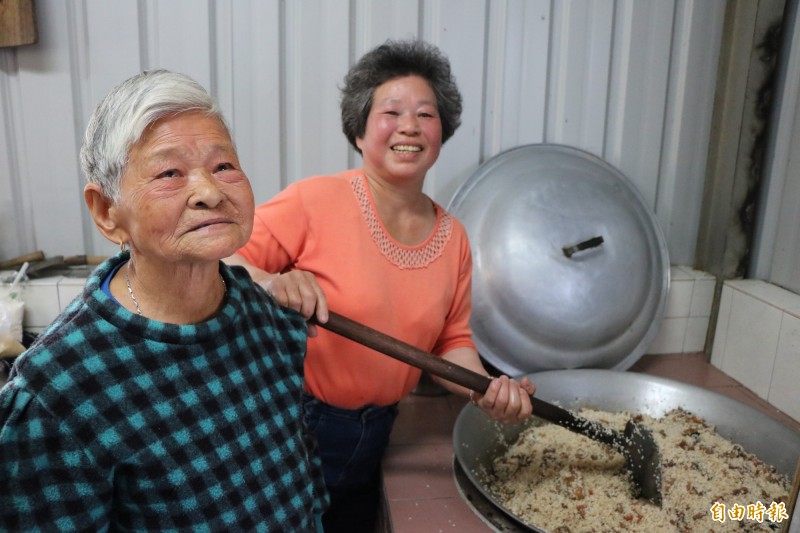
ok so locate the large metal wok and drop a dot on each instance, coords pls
(477, 440)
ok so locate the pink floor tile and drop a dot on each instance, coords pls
(424, 420)
(419, 472)
(687, 368)
(434, 516)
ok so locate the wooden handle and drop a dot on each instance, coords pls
(56, 260)
(404, 352)
(77, 260)
(18, 261)
(465, 377)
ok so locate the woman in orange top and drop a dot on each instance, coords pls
(371, 245)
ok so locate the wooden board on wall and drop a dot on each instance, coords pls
(17, 22)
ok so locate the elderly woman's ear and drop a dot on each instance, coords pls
(103, 210)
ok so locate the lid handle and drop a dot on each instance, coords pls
(594, 242)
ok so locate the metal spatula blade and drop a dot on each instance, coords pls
(643, 461)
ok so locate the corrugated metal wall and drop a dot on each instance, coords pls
(631, 81)
(776, 255)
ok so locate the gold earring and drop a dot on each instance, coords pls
(122, 246)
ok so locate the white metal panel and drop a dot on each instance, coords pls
(107, 45)
(579, 73)
(50, 180)
(106, 50)
(248, 85)
(638, 95)
(316, 59)
(776, 250)
(16, 223)
(515, 107)
(178, 37)
(785, 259)
(375, 22)
(631, 80)
(446, 23)
(695, 53)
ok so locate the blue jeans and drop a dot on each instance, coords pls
(351, 446)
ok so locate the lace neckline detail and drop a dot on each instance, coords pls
(404, 257)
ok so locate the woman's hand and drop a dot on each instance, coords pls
(300, 291)
(296, 290)
(506, 400)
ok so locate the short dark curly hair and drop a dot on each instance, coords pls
(391, 60)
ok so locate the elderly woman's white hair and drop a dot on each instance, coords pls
(119, 121)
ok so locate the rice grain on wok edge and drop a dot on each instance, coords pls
(562, 482)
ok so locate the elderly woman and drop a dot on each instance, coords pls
(167, 397)
(369, 244)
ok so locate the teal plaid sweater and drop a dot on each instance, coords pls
(113, 422)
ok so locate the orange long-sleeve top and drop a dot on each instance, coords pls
(328, 225)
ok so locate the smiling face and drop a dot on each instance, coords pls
(403, 134)
(183, 196)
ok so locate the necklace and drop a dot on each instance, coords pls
(130, 291)
(133, 297)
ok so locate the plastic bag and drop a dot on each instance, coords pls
(12, 309)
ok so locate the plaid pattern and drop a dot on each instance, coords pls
(111, 421)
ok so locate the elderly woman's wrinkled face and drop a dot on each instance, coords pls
(183, 196)
(403, 135)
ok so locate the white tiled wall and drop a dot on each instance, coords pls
(44, 298)
(685, 323)
(757, 341)
(683, 328)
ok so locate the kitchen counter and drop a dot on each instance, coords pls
(420, 491)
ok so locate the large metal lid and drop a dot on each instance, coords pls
(570, 267)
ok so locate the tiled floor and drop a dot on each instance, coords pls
(418, 469)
